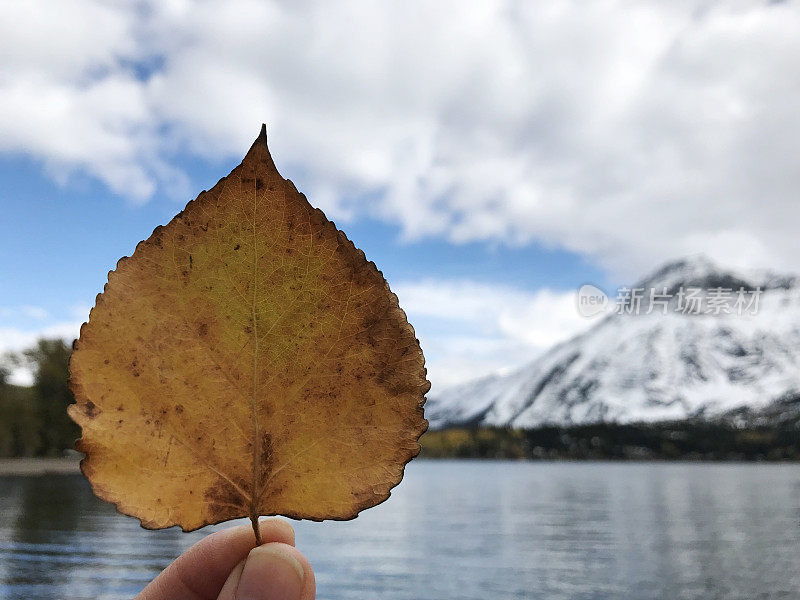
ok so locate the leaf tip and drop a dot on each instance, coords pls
(259, 151)
(262, 135)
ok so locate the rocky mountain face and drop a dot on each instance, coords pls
(692, 340)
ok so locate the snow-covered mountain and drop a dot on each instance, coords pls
(676, 362)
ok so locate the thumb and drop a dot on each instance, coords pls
(274, 571)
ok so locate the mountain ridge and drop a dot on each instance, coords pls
(657, 365)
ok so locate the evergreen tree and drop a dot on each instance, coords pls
(51, 396)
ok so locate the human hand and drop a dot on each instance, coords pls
(225, 566)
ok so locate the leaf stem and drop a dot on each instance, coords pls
(256, 530)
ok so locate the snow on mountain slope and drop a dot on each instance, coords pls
(650, 367)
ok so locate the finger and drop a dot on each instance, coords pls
(201, 571)
(271, 572)
(229, 589)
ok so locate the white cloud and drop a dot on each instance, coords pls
(628, 132)
(70, 98)
(22, 326)
(36, 313)
(469, 329)
(15, 339)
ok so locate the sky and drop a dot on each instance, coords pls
(491, 157)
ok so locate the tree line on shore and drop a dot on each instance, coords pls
(33, 419)
(682, 440)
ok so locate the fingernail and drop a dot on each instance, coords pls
(270, 573)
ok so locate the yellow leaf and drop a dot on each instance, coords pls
(247, 360)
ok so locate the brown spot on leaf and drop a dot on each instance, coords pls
(225, 497)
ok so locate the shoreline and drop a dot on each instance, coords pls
(33, 467)
(28, 467)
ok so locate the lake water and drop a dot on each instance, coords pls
(458, 529)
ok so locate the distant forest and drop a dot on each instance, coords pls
(34, 422)
(683, 440)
